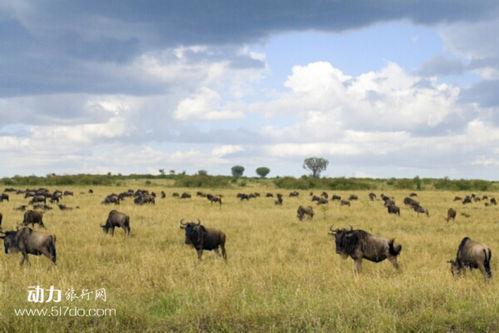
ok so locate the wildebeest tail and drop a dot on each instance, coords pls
(486, 263)
(394, 249)
(52, 250)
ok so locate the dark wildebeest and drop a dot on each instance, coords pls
(294, 194)
(185, 195)
(64, 207)
(202, 238)
(353, 197)
(457, 198)
(175, 194)
(359, 244)
(493, 201)
(163, 194)
(471, 254)
(325, 195)
(451, 214)
(413, 194)
(38, 198)
(66, 193)
(408, 201)
(3, 197)
(269, 195)
(33, 217)
(27, 241)
(322, 201)
(90, 191)
(213, 198)
(335, 197)
(345, 203)
(111, 199)
(420, 210)
(372, 196)
(243, 196)
(467, 199)
(279, 199)
(392, 209)
(302, 211)
(117, 219)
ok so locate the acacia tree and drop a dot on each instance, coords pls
(237, 171)
(262, 171)
(316, 165)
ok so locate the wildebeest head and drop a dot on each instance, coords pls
(455, 268)
(345, 240)
(194, 232)
(9, 241)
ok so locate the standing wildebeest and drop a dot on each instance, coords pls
(353, 197)
(451, 214)
(493, 201)
(359, 244)
(322, 201)
(202, 238)
(335, 197)
(294, 194)
(213, 198)
(269, 195)
(467, 199)
(3, 197)
(163, 194)
(38, 198)
(392, 209)
(345, 203)
(33, 217)
(372, 196)
(185, 195)
(117, 219)
(279, 199)
(111, 199)
(302, 211)
(419, 209)
(27, 241)
(471, 254)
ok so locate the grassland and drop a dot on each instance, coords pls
(282, 275)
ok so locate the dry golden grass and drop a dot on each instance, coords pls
(281, 275)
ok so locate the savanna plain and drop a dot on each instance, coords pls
(281, 274)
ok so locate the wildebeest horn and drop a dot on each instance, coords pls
(182, 224)
(331, 231)
(199, 222)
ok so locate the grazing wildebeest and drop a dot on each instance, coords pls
(9, 189)
(163, 194)
(325, 195)
(27, 241)
(3, 197)
(201, 194)
(413, 194)
(372, 196)
(353, 197)
(213, 198)
(117, 219)
(243, 196)
(359, 244)
(467, 199)
(471, 254)
(493, 201)
(111, 199)
(408, 201)
(66, 193)
(322, 201)
(392, 209)
(456, 198)
(335, 197)
(302, 211)
(64, 207)
(90, 191)
(144, 199)
(451, 214)
(345, 203)
(33, 217)
(279, 199)
(185, 195)
(38, 198)
(202, 238)
(420, 210)
(269, 195)
(294, 194)
(175, 194)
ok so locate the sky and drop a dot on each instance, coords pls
(379, 88)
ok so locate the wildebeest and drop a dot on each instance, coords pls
(64, 207)
(117, 219)
(144, 199)
(322, 201)
(408, 201)
(413, 195)
(40, 206)
(27, 241)
(294, 194)
(451, 214)
(392, 209)
(471, 254)
(213, 198)
(467, 199)
(175, 195)
(185, 195)
(38, 198)
(359, 244)
(493, 201)
(335, 197)
(163, 194)
(269, 195)
(456, 198)
(353, 197)
(202, 238)
(278, 200)
(325, 195)
(21, 208)
(33, 217)
(90, 191)
(66, 193)
(3, 197)
(372, 196)
(302, 211)
(345, 203)
(111, 199)
(420, 210)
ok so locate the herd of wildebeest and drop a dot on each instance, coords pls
(354, 243)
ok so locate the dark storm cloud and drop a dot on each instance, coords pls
(59, 46)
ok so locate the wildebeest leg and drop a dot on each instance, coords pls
(482, 269)
(394, 262)
(112, 231)
(358, 265)
(25, 258)
(224, 254)
(200, 253)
